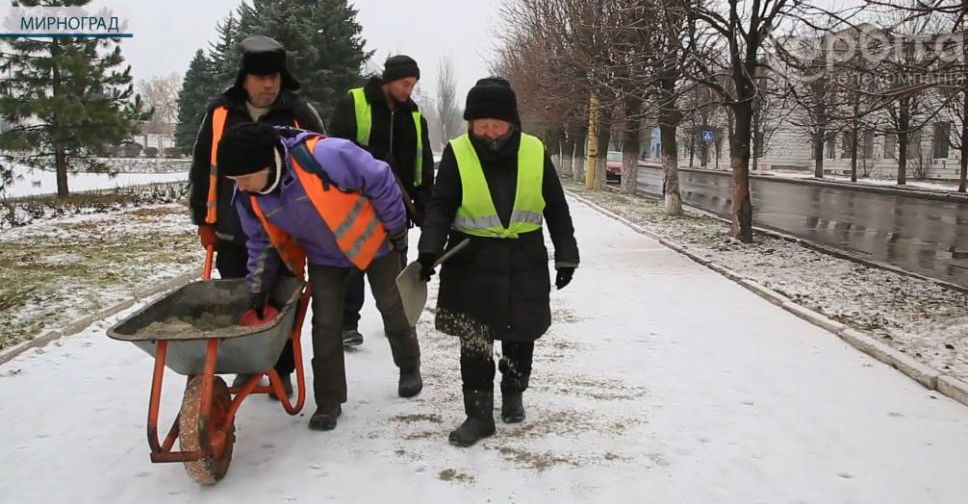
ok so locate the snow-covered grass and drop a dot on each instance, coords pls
(34, 181)
(918, 317)
(61, 269)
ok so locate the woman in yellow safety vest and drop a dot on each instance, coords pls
(496, 187)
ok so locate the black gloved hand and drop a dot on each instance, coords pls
(564, 276)
(426, 260)
(399, 241)
(257, 303)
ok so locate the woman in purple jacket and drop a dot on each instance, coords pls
(300, 195)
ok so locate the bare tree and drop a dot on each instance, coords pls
(735, 31)
(447, 110)
(161, 94)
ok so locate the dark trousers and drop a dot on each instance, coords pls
(356, 295)
(231, 261)
(477, 364)
(328, 284)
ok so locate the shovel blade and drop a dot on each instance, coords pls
(413, 292)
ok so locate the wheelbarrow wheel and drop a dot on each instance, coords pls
(197, 433)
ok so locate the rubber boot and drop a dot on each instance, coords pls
(410, 382)
(512, 408)
(479, 407)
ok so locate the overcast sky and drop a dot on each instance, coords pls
(167, 33)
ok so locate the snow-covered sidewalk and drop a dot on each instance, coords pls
(661, 381)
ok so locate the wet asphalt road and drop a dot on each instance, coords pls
(910, 231)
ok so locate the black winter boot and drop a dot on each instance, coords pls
(512, 409)
(410, 382)
(479, 406)
(325, 417)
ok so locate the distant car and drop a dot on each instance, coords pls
(613, 166)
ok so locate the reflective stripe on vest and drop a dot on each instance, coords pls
(364, 123)
(291, 253)
(349, 215)
(476, 215)
(218, 126)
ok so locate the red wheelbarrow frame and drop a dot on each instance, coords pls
(216, 442)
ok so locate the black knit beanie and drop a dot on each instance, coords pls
(398, 67)
(247, 148)
(492, 98)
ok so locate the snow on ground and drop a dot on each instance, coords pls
(660, 381)
(30, 182)
(58, 270)
(918, 317)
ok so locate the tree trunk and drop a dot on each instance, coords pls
(670, 169)
(964, 138)
(742, 209)
(578, 159)
(60, 164)
(853, 153)
(604, 137)
(60, 151)
(903, 123)
(630, 147)
(818, 153)
(592, 151)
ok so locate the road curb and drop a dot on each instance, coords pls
(921, 373)
(75, 326)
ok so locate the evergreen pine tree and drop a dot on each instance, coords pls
(224, 52)
(323, 39)
(199, 88)
(65, 99)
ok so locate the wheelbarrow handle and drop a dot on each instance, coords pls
(207, 269)
(447, 255)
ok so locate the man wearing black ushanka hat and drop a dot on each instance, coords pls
(263, 92)
(381, 117)
(495, 187)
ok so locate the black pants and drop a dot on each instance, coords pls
(356, 295)
(328, 284)
(231, 261)
(477, 364)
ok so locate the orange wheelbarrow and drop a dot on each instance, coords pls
(194, 331)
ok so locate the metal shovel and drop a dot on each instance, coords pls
(413, 290)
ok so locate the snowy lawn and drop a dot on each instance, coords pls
(660, 381)
(57, 270)
(920, 318)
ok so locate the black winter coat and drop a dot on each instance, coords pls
(287, 108)
(393, 139)
(498, 286)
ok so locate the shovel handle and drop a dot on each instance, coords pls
(452, 251)
(207, 269)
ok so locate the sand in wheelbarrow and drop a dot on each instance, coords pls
(186, 326)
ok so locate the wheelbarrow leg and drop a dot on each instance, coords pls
(157, 448)
(274, 381)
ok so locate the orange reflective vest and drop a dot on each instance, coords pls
(218, 126)
(350, 216)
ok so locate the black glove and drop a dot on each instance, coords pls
(426, 260)
(257, 302)
(564, 276)
(399, 240)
